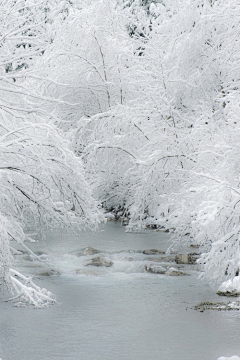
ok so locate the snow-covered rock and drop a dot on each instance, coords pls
(158, 269)
(91, 251)
(186, 258)
(110, 216)
(219, 306)
(155, 269)
(230, 287)
(235, 357)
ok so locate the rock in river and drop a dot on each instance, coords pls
(175, 272)
(235, 305)
(165, 259)
(153, 252)
(186, 258)
(233, 292)
(49, 272)
(91, 251)
(155, 269)
(158, 269)
(99, 261)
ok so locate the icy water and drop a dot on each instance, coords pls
(116, 313)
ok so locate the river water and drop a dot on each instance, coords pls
(116, 313)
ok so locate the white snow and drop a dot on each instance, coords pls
(109, 215)
(235, 357)
(230, 285)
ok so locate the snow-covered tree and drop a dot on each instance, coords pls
(200, 86)
(152, 93)
(42, 181)
(90, 54)
(182, 171)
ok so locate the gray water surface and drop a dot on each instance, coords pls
(117, 313)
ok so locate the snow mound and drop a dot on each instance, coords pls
(230, 286)
(229, 358)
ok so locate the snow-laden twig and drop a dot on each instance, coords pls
(29, 293)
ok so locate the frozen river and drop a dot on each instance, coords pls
(116, 313)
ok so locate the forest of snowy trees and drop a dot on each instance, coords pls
(127, 106)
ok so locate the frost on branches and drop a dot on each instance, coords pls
(42, 181)
(167, 151)
(151, 95)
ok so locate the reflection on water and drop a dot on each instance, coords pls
(115, 313)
